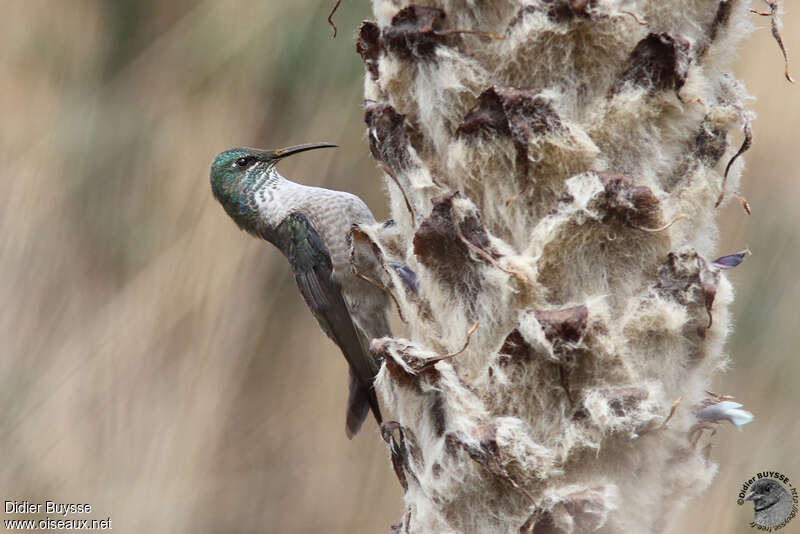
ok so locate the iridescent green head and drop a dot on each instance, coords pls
(238, 173)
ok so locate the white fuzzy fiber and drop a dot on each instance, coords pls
(533, 167)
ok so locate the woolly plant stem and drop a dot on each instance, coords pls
(553, 168)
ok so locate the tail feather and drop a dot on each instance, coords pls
(362, 398)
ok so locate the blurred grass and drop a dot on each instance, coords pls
(160, 365)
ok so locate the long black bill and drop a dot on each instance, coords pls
(283, 152)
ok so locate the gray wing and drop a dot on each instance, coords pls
(313, 270)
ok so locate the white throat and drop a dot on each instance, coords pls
(276, 197)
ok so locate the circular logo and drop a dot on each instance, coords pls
(775, 500)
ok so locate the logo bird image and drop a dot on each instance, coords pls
(771, 502)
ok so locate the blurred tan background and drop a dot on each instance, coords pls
(161, 366)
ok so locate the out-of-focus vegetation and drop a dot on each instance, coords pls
(159, 364)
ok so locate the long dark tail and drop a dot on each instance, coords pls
(362, 398)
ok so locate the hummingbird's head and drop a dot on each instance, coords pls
(237, 174)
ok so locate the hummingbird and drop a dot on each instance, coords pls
(309, 225)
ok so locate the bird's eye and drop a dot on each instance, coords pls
(244, 161)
